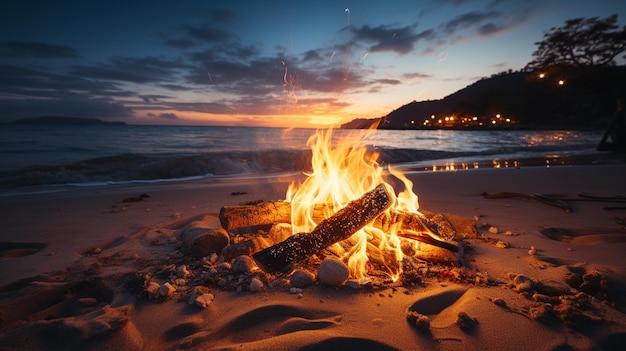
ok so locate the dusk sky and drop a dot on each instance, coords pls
(261, 63)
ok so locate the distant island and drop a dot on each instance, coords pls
(571, 98)
(63, 120)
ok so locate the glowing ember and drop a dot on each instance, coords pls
(342, 171)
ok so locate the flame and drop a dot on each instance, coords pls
(342, 171)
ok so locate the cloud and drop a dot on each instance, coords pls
(132, 69)
(400, 40)
(165, 115)
(469, 20)
(27, 49)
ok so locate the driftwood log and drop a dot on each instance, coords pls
(340, 226)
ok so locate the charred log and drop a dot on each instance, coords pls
(340, 226)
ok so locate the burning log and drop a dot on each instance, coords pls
(340, 226)
(269, 213)
(233, 217)
(264, 213)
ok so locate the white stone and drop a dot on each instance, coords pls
(332, 272)
(204, 300)
(256, 285)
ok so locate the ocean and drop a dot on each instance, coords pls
(100, 155)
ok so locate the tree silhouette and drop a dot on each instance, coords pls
(580, 42)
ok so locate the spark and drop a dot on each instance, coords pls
(347, 10)
(210, 79)
(394, 35)
(365, 56)
(333, 55)
(443, 55)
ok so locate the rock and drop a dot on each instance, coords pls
(182, 271)
(204, 300)
(301, 278)
(332, 272)
(166, 289)
(256, 285)
(224, 266)
(243, 264)
(502, 244)
(153, 289)
(422, 322)
(294, 290)
(521, 282)
(465, 322)
(204, 237)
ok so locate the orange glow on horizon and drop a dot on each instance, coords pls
(240, 120)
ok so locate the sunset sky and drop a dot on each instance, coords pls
(261, 63)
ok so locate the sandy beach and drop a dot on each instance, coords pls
(87, 268)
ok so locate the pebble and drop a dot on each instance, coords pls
(295, 290)
(532, 251)
(153, 288)
(465, 322)
(521, 283)
(166, 289)
(243, 264)
(332, 272)
(301, 278)
(204, 300)
(224, 266)
(351, 283)
(493, 230)
(182, 271)
(502, 244)
(256, 285)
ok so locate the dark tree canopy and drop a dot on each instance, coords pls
(581, 42)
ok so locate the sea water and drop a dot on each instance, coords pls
(109, 154)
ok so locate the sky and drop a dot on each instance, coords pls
(261, 63)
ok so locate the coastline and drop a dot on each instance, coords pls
(73, 223)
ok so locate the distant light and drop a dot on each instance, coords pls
(561, 82)
(498, 116)
(412, 122)
(432, 116)
(475, 118)
(493, 121)
(447, 119)
(508, 120)
(542, 75)
(439, 121)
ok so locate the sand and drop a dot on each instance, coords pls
(76, 269)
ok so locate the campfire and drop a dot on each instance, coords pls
(346, 208)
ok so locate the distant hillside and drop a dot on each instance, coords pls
(62, 120)
(584, 99)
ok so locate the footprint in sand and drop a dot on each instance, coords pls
(15, 250)
(585, 236)
(292, 327)
(442, 306)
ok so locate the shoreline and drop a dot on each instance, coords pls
(74, 224)
(451, 164)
